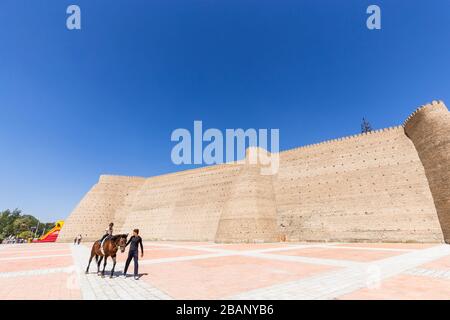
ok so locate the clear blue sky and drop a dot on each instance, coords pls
(104, 100)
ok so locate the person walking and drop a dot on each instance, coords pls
(133, 253)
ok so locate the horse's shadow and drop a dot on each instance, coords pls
(117, 274)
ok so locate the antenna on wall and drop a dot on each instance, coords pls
(365, 126)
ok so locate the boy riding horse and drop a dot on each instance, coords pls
(106, 247)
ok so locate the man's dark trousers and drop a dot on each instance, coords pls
(132, 254)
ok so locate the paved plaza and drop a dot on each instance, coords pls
(203, 270)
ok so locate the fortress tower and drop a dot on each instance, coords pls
(250, 212)
(429, 129)
(388, 185)
(99, 207)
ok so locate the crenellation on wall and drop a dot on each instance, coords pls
(389, 185)
(434, 105)
(350, 138)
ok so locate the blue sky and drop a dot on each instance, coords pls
(105, 99)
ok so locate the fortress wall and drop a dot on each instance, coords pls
(250, 214)
(429, 129)
(182, 206)
(370, 187)
(391, 185)
(98, 207)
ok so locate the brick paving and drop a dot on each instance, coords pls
(204, 270)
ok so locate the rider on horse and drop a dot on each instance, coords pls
(108, 233)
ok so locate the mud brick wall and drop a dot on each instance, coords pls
(429, 129)
(370, 187)
(98, 207)
(389, 185)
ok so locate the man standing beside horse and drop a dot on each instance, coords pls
(133, 253)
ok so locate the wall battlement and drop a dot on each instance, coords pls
(434, 105)
(346, 138)
(390, 185)
(105, 178)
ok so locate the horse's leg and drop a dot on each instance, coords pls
(98, 265)
(104, 266)
(114, 264)
(90, 259)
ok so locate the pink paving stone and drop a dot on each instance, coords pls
(147, 246)
(55, 286)
(33, 248)
(214, 278)
(405, 287)
(37, 246)
(152, 254)
(34, 264)
(178, 243)
(411, 246)
(251, 246)
(187, 243)
(153, 246)
(32, 253)
(439, 264)
(339, 254)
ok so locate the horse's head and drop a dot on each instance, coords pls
(122, 241)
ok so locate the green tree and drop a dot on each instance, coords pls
(24, 223)
(13, 223)
(25, 235)
(7, 218)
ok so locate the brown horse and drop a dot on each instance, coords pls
(110, 248)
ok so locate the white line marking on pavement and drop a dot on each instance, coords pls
(316, 261)
(433, 273)
(366, 248)
(33, 272)
(255, 253)
(331, 285)
(95, 287)
(185, 258)
(327, 285)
